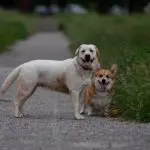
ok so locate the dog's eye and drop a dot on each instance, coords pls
(100, 75)
(91, 50)
(83, 51)
(107, 76)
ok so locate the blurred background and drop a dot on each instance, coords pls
(77, 6)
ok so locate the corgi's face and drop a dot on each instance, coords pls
(104, 78)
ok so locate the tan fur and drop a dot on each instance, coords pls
(58, 85)
(90, 91)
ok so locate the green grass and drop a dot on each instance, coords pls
(14, 26)
(124, 40)
(28, 20)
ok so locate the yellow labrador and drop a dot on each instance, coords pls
(65, 76)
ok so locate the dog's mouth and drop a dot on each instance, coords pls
(103, 85)
(87, 60)
(86, 63)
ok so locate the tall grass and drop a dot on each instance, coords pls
(14, 26)
(124, 40)
(10, 32)
(28, 20)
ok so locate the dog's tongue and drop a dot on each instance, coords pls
(103, 88)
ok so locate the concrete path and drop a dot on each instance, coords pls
(50, 124)
(43, 45)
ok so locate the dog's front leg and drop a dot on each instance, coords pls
(89, 110)
(75, 99)
(82, 111)
(107, 111)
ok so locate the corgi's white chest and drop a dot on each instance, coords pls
(101, 100)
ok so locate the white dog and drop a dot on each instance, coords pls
(65, 76)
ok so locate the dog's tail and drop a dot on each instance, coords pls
(10, 79)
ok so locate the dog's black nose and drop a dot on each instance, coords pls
(103, 81)
(87, 57)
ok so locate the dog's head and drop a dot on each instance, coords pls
(88, 56)
(103, 79)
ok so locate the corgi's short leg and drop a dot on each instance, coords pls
(89, 110)
(83, 107)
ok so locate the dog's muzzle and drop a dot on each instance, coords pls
(103, 85)
(87, 58)
(103, 81)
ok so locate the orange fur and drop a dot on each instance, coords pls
(58, 85)
(91, 89)
(89, 93)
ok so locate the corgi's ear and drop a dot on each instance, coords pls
(114, 69)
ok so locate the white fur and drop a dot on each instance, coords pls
(46, 72)
(99, 104)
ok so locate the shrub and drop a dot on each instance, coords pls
(10, 31)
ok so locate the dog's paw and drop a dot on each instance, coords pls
(90, 114)
(82, 112)
(79, 117)
(19, 115)
(106, 114)
(89, 111)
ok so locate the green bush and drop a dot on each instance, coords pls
(10, 31)
(15, 25)
(124, 40)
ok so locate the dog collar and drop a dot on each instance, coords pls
(85, 68)
(80, 70)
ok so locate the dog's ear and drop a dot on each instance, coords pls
(77, 51)
(114, 69)
(97, 54)
(97, 65)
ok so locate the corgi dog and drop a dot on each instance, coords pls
(95, 98)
